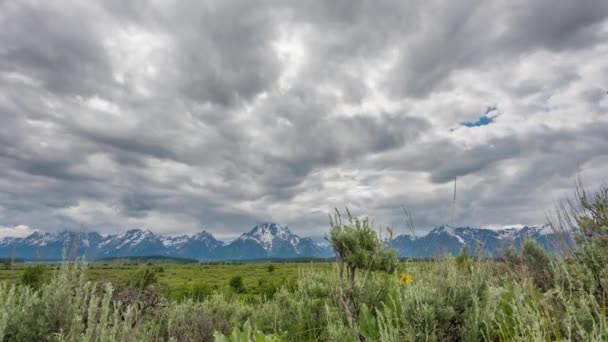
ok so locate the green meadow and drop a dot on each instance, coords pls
(177, 281)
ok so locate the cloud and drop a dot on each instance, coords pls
(219, 115)
(17, 231)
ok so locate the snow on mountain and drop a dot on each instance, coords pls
(449, 231)
(267, 240)
(169, 241)
(270, 240)
(266, 233)
(489, 242)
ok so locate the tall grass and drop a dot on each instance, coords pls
(447, 301)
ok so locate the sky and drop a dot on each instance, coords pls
(178, 116)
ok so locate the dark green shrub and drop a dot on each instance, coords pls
(236, 283)
(462, 260)
(32, 276)
(358, 247)
(271, 268)
(538, 264)
(267, 289)
(200, 292)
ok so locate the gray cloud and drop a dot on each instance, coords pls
(218, 115)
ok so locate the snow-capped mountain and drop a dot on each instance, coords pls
(49, 246)
(488, 242)
(201, 246)
(263, 241)
(268, 240)
(271, 240)
(135, 242)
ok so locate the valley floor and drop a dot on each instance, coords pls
(178, 281)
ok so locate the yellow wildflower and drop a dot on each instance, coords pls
(405, 279)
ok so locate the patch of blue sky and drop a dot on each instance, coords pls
(483, 120)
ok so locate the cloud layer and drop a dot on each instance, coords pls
(218, 115)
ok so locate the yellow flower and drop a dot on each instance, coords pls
(405, 279)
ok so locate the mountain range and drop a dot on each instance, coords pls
(268, 240)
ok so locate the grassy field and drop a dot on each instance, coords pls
(451, 299)
(177, 281)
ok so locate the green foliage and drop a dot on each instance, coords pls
(200, 292)
(538, 264)
(267, 288)
(236, 283)
(444, 303)
(143, 278)
(587, 219)
(368, 326)
(511, 257)
(66, 309)
(463, 259)
(33, 276)
(358, 245)
(246, 334)
(592, 219)
(270, 268)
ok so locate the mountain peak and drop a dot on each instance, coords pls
(203, 234)
(266, 233)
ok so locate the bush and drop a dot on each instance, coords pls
(358, 247)
(267, 289)
(200, 292)
(586, 218)
(32, 276)
(143, 278)
(463, 259)
(538, 264)
(246, 334)
(236, 283)
(66, 309)
(270, 268)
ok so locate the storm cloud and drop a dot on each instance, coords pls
(217, 115)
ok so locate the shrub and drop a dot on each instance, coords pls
(511, 257)
(538, 264)
(246, 334)
(236, 283)
(267, 288)
(66, 309)
(32, 276)
(270, 268)
(586, 218)
(463, 259)
(200, 292)
(357, 247)
(143, 278)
